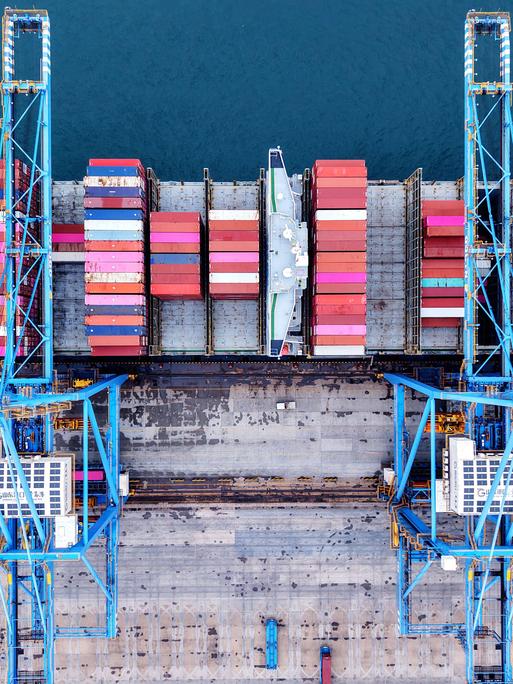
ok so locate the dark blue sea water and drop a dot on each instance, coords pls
(184, 84)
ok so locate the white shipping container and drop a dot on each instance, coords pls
(93, 224)
(114, 277)
(233, 215)
(68, 257)
(234, 278)
(442, 312)
(341, 215)
(114, 182)
(339, 350)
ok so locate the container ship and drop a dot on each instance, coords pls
(319, 264)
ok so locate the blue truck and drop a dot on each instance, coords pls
(271, 644)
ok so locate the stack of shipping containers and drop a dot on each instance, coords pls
(21, 187)
(68, 242)
(234, 254)
(115, 212)
(442, 298)
(175, 262)
(339, 205)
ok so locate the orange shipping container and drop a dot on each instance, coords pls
(116, 288)
(340, 288)
(339, 183)
(175, 247)
(341, 225)
(227, 246)
(336, 257)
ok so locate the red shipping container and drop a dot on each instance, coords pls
(340, 172)
(114, 203)
(215, 224)
(113, 352)
(444, 231)
(234, 235)
(442, 302)
(443, 208)
(339, 162)
(176, 291)
(443, 292)
(327, 203)
(118, 340)
(340, 288)
(114, 246)
(441, 263)
(341, 225)
(337, 339)
(116, 162)
(344, 267)
(341, 194)
(175, 216)
(341, 245)
(240, 246)
(115, 320)
(321, 234)
(247, 267)
(448, 252)
(441, 322)
(446, 241)
(174, 279)
(337, 299)
(175, 248)
(235, 289)
(337, 319)
(443, 272)
(175, 268)
(117, 288)
(68, 228)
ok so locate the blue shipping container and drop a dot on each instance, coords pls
(100, 191)
(175, 258)
(113, 171)
(115, 310)
(116, 330)
(114, 215)
(114, 235)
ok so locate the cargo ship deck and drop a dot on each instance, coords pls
(181, 328)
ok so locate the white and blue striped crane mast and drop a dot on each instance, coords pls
(29, 399)
(481, 535)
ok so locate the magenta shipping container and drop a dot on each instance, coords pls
(114, 256)
(174, 237)
(341, 278)
(444, 221)
(233, 257)
(114, 267)
(128, 300)
(340, 329)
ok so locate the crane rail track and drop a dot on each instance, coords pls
(263, 490)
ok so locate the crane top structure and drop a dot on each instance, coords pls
(41, 522)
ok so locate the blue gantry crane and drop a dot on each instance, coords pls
(41, 520)
(463, 517)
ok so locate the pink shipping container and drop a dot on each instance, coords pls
(340, 329)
